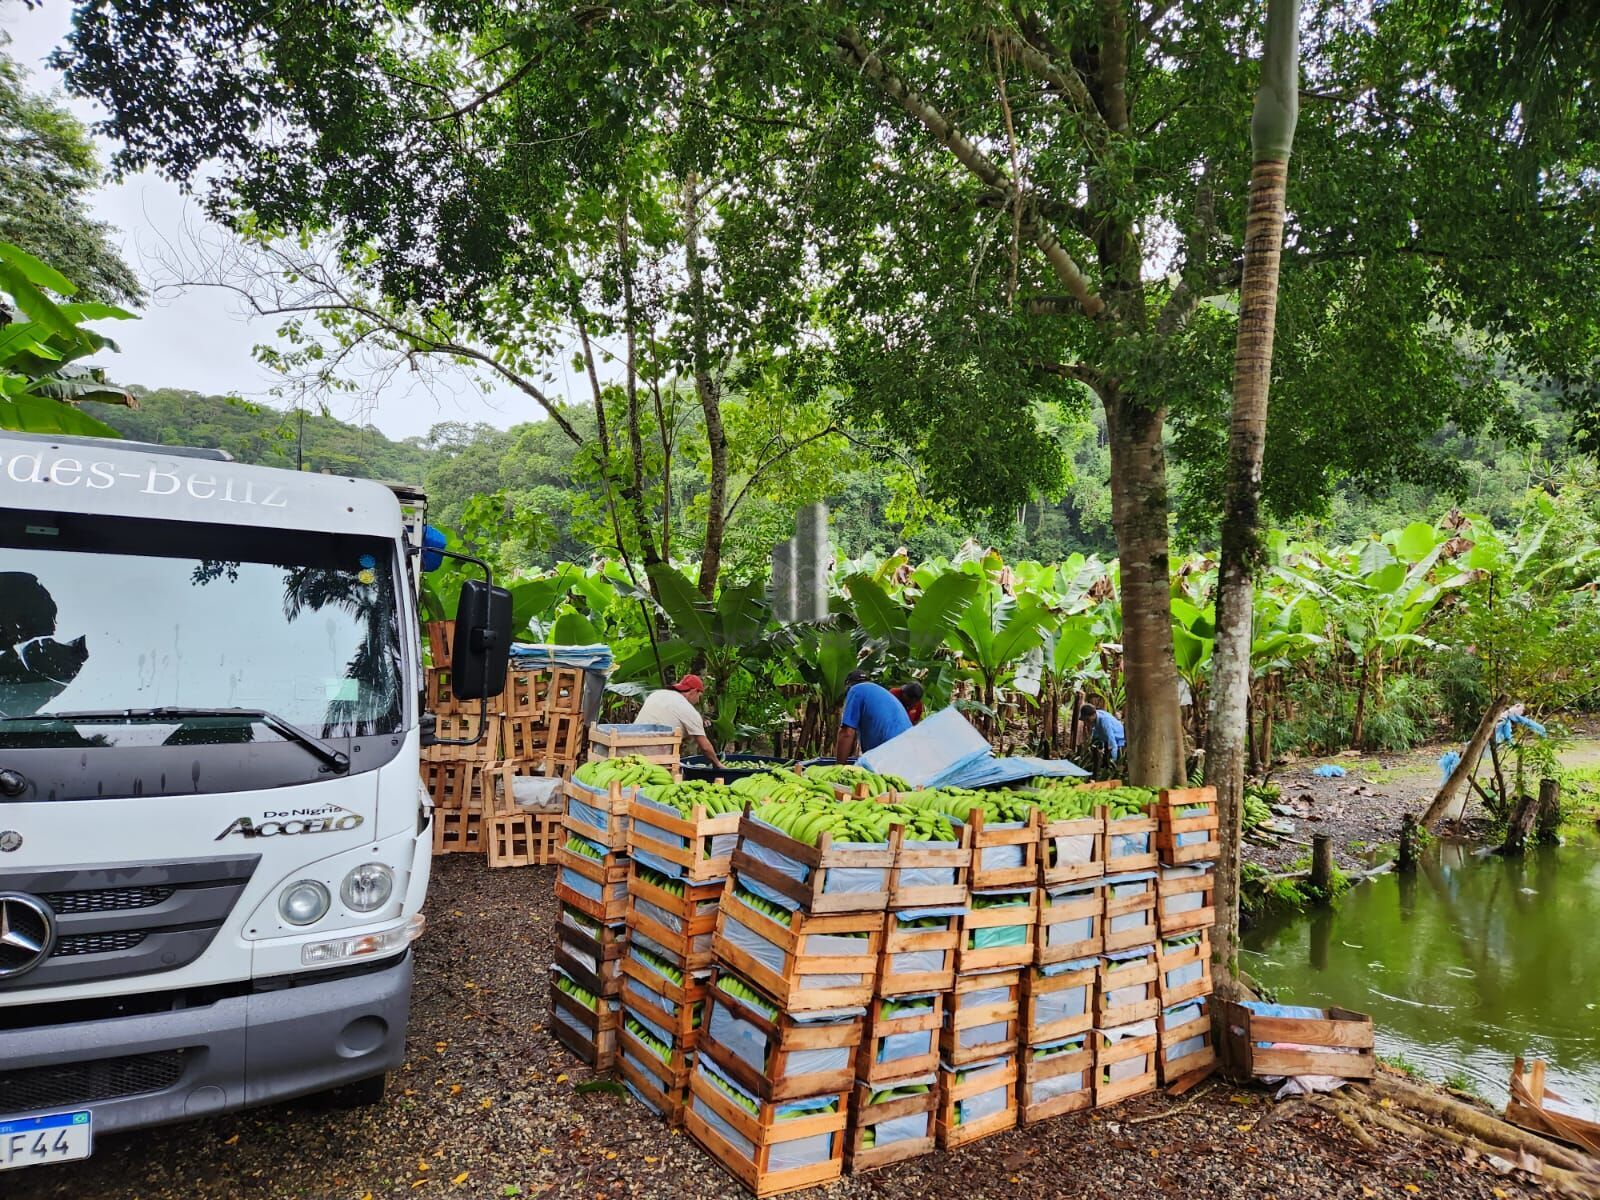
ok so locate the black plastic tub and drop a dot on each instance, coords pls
(736, 766)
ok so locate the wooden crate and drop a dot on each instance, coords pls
(1023, 917)
(1180, 1025)
(764, 1129)
(456, 831)
(1176, 964)
(1181, 813)
(1048, 999)
(901, 938)
(953, 1090)
(785, 1043)
(1044, 1078)
(865, 1116)
(819, 861)
(441, 641)
(654, 829)
(527, 839)
(1071, 850)
(693, 915)
(608, 875)
(657, 744)
(1011, 851)
(650, 996)
(604, 816)
(1067, 910)
(927, 875)
(662, 1086)
(1176, 912)
(1133, 914)
(465, 725)
(543, 692)
(920, 1026)
(564, 691)
(1115, 1047)
(538, 740)
(441, 701)
(594, 1040)
(803, 959)
(1124, 839)
(595, 961)
(1127, 992)
(456, 785)
(976, 1001)
(499, 788)
(1337, 1042)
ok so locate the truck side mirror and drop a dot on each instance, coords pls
(481, 655)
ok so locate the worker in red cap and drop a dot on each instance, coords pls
(675, 707)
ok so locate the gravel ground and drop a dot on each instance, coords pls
(487, 1106)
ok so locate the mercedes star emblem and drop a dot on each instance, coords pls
(27, 933)
(10, 840)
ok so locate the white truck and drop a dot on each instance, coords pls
(214, 845)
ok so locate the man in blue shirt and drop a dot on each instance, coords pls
(1106, 733)
(872, 715)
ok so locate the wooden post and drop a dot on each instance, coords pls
(1321, 863)
(1518, 827)
(1407, 858)
(1445, 801)
(1549, 809)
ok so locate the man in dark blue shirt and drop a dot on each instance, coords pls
(1106, 734)
(872, 715)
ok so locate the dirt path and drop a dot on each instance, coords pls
(487, 1108)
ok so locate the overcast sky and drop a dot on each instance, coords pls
(200, 340)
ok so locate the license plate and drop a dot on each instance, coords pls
(60, 1137)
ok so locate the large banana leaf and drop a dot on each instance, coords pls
(28, 413)
(640, 666)
(882, 616)
(938, 611)
(827, 655)
(694, 619)
(574, 629)
(534, 599)
(742, 614)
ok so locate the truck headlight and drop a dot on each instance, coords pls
(303, 902)
(367, 888)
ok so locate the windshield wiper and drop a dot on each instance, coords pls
(338, 760)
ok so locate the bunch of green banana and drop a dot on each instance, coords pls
(742, 991)
(651, 1042)
(885, 1095)
(1010, 900)
(715, 798)
(584, 847)
(627, 770)
(581, 994)
(1052, 1051)
(743, 1101)
(922, 824)
(847, 775)
(659, 965)
(1257, 811)
(961, 803)
(763, 906)
(582, 920)
(1124, 802)
(777, 786)
(869, 1137)
(657, 880)
(923, 922)
(807, 818)
(889, 1009)
(1067, 801)
(795, 1114)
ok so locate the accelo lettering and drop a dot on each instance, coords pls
(245, 827)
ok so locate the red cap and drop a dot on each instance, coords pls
(690, 683)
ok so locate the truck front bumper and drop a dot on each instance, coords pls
(291, 1038)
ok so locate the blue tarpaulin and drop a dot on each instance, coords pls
(946, 751)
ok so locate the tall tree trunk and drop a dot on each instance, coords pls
(1271, 134)
(709, 390)
(1155, 752)
(1358, 732)
(635, 488)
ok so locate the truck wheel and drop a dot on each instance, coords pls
(360, 1094)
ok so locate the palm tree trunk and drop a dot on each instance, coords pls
(1272, 134)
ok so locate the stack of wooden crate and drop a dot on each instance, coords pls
(534, 727)
(1186, 841)
(796, 968)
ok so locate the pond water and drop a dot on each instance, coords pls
(1463, 964)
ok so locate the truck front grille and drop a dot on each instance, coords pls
(69, 1085)
(106, 899)
(98, 943)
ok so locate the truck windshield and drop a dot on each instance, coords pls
(101, 615)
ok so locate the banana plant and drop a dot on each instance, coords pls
(914, 639)
(995, 632)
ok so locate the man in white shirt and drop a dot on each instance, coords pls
(675, 707)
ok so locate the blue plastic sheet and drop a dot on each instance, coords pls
(902, 1129)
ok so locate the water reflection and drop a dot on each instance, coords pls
(1464, 964)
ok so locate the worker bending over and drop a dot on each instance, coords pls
(872, 715)
(676, 707)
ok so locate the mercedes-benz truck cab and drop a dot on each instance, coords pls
(214, 846)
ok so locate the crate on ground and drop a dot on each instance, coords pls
(1130, 910)
(1071, 849)
(590, 953)
(980, 1017)
(770, 1147)
(1124, 1062)
(655, 743)
(919, 950)
(976, 1100)
(829, 877)
(697, 848)
(1058, 1001)
(675, 1023)
(997, 930)
(588, 1030)
(527, 839)
(518, 787)
(1004, 854)
(1071, 922)
(802, 961)
(481, 749)
(901, 1039)
(674, 914)
(455, 785)
(1278, 1039)
(1186, 897)
(599, 814)
(591, 878)
(1126, 990)
(656, 1072)
(1184, 966)
(892, 1122)
(1186, 826)
(1130, 842)
(778, 1055)
(458, 831)
(1184, 1040)
(1057, 1077)
(927, 874)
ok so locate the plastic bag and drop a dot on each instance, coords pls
(996, 995)
(658, 914)
(1134, 994)
(1187, 973)
(1127, 921)
(984, 1104)
(595, 818)
(768, 954)
(997, 936)
(916, 962)
(582, 884)
(1061, 1085)
(1074, 848)
(1064, 933)
(901, 1129)
(1186, 1047)
(897, 1046)
(732, 1033)
(801, 1152)
(728, 1133)
(997, 1034)
(816, 1062)
(1060, 1004)
(834, 945)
